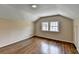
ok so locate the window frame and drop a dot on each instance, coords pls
(49, 26)
(54, 26)
(42, 24)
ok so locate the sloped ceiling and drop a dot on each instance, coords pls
(26, 12)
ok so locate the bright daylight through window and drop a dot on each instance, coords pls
(50, 26)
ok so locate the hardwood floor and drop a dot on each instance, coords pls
(37, 45)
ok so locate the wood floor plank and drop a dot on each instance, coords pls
(39, 45)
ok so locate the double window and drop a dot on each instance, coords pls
(50, 26)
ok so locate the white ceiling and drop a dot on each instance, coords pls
(27, 12)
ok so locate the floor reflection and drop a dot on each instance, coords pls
(49, 48)
(44, 47)
(54, 49)
(38, 45)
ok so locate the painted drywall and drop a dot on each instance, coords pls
(14, 31)
(76, 34)
(15, 25)
(66, 28)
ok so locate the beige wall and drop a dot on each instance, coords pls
(76, 34)
(66, 28)
(12, 31)
(15, 25)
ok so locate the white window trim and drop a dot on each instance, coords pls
(49, 26)
(43, 26)
(54, 26)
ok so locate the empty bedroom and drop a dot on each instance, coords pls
(39, 28)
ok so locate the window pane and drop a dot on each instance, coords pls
(54, 26)
(55, 29)
(45, 26)
(54, 23)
